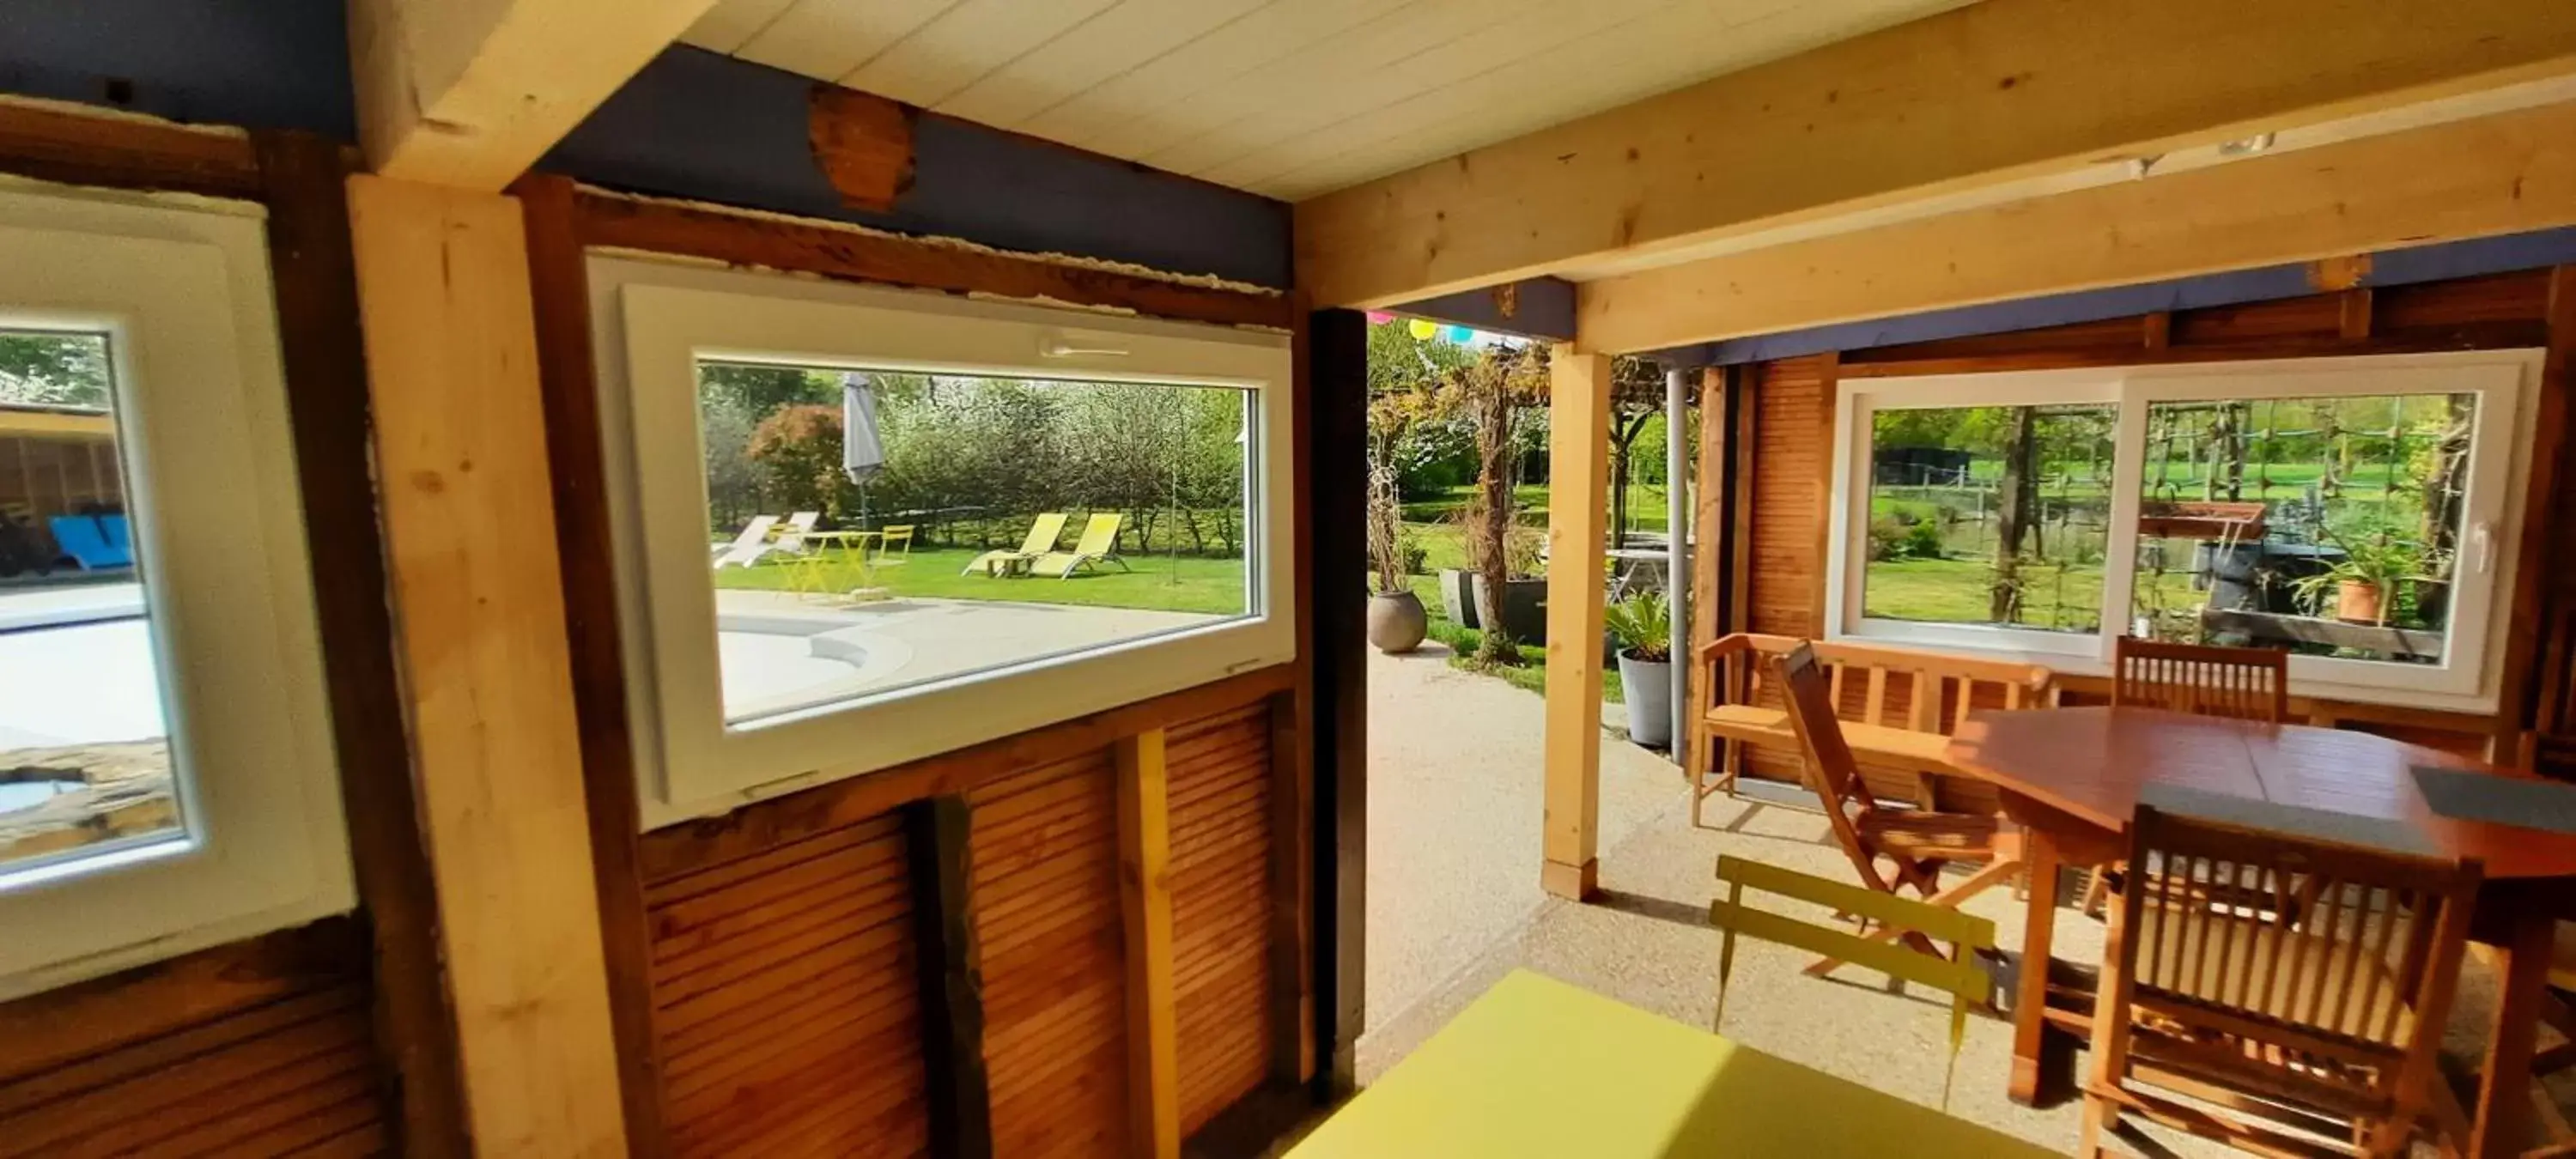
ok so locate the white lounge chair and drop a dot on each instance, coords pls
(748, 546)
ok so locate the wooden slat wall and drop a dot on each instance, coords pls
(260, 1048)
(1793, 454)
(787, 1002)
(1793, 437)
(1045, 856)
(1221, 907)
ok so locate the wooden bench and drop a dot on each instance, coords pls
(1895, 725)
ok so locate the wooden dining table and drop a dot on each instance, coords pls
(2071, 778)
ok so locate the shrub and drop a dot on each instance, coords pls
(1923, 540)
(1886, 539)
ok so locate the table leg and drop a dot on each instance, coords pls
(2503, 1121)
(2030, 1003)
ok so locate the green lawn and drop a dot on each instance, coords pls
(1159, 583)
(1955, 591)
(1529, 500)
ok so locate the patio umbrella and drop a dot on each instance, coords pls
(862, 449)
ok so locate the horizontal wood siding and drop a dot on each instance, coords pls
(1221, 907)
(1044, 849)
(260, 1048)
(787, 1000)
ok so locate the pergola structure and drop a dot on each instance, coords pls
(904, 956)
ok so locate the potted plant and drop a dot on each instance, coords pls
(2364, 582)
(1642, 626)
(1396, 620)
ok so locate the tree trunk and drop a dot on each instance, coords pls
(2019, 492)
(1494, 485)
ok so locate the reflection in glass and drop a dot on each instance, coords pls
(84, 756)
(2327, 526)
(1990, 515)
(874, 531)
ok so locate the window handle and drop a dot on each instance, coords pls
(2482, 541)
(1059, 348)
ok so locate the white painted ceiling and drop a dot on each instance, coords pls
(1289, 98)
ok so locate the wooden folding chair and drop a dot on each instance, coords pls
(2324, 1015)
(2242, 683)
(1916, 843)
(1955, 974)
(2237, 683)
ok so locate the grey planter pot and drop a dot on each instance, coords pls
(1524, 604)
(1396, 622)
(1647, 686)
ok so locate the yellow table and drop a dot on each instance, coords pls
(1541, 1069)
(825, 550)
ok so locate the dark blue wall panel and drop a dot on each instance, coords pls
(270, 64)
(700, 125)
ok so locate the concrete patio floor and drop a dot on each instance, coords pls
(1454, 904)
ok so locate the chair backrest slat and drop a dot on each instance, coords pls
(2285, 956)
(2243, 683)
(1809, 698)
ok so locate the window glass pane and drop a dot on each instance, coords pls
(2329, 526)
(1990, 515)
(873, 531)
(85, 763)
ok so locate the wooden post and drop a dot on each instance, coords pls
(479, 618)
(1145, 893)
(1578, 452)
(936, 847)
(1708, 603)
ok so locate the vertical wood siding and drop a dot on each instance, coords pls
(1045, 856)
(1221, 903)
(787, 1000)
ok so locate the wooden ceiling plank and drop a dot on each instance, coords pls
(732, 23)
(1582, 77)
(1110, 45)
(827, 39)
(966, 43)
(2507, 173)
(469, 95)
(1096, 119)
(1420, 46)
(1995, 91)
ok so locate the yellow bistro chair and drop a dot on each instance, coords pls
(894, 545)
(1099, 544)
(1041, 540)
(1957, 975)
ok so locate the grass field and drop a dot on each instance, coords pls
(1159, 583)
(1529, 501)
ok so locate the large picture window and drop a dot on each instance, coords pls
(2350, 511)
(862, 526)
(165, 770)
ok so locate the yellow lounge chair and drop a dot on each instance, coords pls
(1042, 536)
(1099, 543)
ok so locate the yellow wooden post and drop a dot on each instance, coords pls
(1578, 454)
(1145, 893)
(478, 603)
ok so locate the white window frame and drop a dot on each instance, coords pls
(653, 322)
(2506, 383)
(182, 290)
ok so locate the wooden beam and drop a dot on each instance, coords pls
(1990, 93)
(2491, 175)
(100, 148)
(470, 94)
(1145, 893)
(1578, 454)
(1333, 389)
(856, 254)
(1709, 605)
(57, 424)
(559, 283)
(306, 189)
(952, 976)
(443, 292)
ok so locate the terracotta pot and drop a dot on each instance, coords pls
(2361, 603)
(1396, 622)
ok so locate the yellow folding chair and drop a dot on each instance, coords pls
(1957, 975)
(894, 545)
